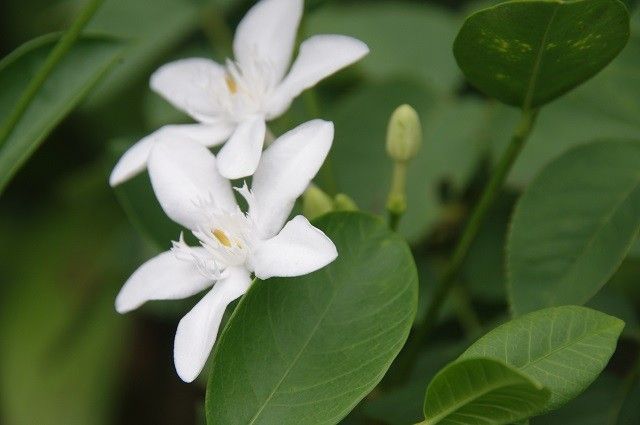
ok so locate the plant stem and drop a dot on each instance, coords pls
(61, 48)
(396, 201)
(478, 215)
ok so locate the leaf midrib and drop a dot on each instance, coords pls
(533, 80)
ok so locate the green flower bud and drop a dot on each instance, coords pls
(315, 202)
(343, 202)
(404, 134)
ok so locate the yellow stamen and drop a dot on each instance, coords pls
(221, 237)
(231, 84)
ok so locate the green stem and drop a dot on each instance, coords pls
(478, 215)
(61, 48)
(397, 199)
(467, 316)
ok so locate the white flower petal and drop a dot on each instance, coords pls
(189, 85)
(239, 157)
(297, 250)
(183, 175)
(132, 162)
(135, 159)
(285, 171)
(164, 277)
(197, 330)
(319, 57)
(267, 33)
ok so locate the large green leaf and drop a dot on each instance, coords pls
(406, 40)
(564, 348)
(482, 391)
(450, 150)
(579, 117)
(305, 350)
(70, 81)
(574, 225)
(527, 53)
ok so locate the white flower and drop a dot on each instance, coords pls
(233, 245)
(232, 102)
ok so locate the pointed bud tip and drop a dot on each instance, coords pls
(404, 134)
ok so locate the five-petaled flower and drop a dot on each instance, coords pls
(231, 103)
(185, 178)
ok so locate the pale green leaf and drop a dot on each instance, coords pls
(480, 391)
(564, 348)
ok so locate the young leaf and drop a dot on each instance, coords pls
(574, 225)
(564, 348)
(70, 81)
(527, 53)
(305, 350)
(482, 391)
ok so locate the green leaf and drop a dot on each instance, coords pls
(579, 117)
(564, 348)
(450, 150)
(406, 40)
(574, 225)
(70, 81)
(482, 391)
(527, 53)
(305, 350)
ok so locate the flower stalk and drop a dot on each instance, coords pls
(404, 139)
(489, 195)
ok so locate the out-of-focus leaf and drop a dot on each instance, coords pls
(482, 391)
(61, 266)
(305, 350)
(406, 40)
(573, 226)
(152, 27)
(451, 147)
(70, 81)
(604, 108)
(527, 53)
(564, 348)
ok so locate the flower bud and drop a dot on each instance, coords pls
(315, 202)
(343, 202)
(404, 134)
